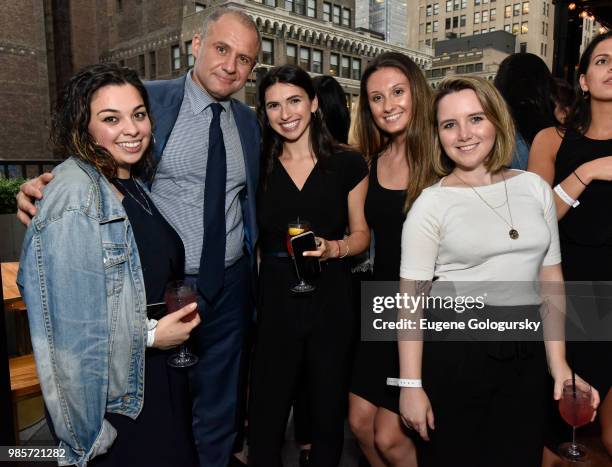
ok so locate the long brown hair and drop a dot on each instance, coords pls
(419, 133)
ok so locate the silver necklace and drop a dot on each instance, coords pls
(147, 209)
(513, 233)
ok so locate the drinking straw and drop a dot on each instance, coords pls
(574, 383)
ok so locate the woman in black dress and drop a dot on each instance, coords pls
(577, 161)
(392, 129)
(308, 176)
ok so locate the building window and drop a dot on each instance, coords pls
(336, 17)
(333, 64)
(199, 7)
(152, 65)
(463, 4)
(448, 23)
(478, 67)
(428, 10)
(119, 5)
(267, 51)
(289, 5)
(455, 5)
(250, 93)
(141, 66)
(515, 28)
(492, 29)
(546, 30)
(516, 8)
(292, 54)
(428, 42)
(485, 16)
(545, 49)
(462, 20)
(508, 11)
(493, 14)
(356, 68)
(121, 63)
(455, 21)
(524, 27)
(449, 5)
(299, 6)
(346, 17)
(317, 61)
(476, 2)
(435, 26)
(428, 28)
(346, 70)
(189, 51)
(312, 9)
(305, 58)
(477, 17)
(270, 2)
(476, 32)
(326, 11)
(507, 28)
(175, 52)
(436, 9)
(523, 47)
(525, 8)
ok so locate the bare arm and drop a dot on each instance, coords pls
(359, 238)
(552, 290)
(542, 157)
(415, 407)
(28, 193)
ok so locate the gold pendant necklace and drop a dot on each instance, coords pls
(512, 233)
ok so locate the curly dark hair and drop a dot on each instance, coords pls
(579, 117)
(322, 143)
(70, 121)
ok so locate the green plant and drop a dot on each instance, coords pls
(9, 187)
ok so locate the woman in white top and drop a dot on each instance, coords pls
(480, 403)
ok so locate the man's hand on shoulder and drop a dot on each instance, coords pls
(29, 192)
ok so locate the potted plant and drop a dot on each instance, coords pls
(11, 230)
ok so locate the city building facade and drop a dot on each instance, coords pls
(478, 55)
(531, 21)
(319, 35)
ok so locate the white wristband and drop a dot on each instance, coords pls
(405, 382)
(567, 199)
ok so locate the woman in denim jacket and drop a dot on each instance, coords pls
(89, 267)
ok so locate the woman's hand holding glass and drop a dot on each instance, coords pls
(561, 376)
(171, 331)
(416, 411)
(326, 249)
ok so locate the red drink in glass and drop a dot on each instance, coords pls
(179, 297)
(577, 411)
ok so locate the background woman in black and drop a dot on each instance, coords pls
(305, 175)
(578, 159)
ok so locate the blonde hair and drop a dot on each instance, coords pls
(495, 109)
(419, 132)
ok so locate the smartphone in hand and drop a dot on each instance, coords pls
(308, 267)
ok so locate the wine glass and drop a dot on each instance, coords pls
(575, 408)
(296, 228)
(179, 294)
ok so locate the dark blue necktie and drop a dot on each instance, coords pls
(212, 261)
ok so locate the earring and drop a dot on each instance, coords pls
(586, 95)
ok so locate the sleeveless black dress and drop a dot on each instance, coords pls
(376, 361)
(586, 248)
(161, 435)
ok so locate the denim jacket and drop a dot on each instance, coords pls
(81, 279)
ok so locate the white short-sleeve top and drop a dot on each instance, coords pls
(450, 233)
